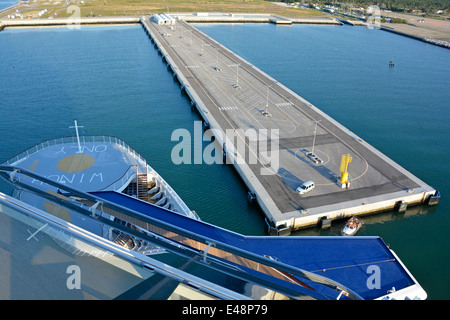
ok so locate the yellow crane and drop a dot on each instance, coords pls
(346, 159)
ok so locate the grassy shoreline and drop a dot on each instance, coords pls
(147, 7)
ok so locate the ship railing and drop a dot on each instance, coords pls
(254, 268)
(120, 184)
(169, 192)
(83, 139)
(72, 235)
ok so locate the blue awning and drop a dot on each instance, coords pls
(351, 261)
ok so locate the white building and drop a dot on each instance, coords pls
(163, 19)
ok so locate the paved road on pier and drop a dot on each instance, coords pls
(236, 94)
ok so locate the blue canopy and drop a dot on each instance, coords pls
(350, 261)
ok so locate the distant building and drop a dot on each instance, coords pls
(163, 19)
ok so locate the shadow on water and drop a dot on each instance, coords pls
(370, 221)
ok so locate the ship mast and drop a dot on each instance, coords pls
(78, 136)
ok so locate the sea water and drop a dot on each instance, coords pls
(7, 3)
(402, 111)
(113, 82)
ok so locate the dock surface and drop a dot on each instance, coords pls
(232, 95)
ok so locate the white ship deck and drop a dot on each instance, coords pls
(97, 163)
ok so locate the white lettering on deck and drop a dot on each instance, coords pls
(75, 178)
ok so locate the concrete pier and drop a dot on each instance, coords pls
(67, 22)
(251, 18)
(232, 94)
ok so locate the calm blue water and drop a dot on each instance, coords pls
(402, 111)
(53, 76)
(7, 3)
(113, 82)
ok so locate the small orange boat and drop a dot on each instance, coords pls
(351, 227)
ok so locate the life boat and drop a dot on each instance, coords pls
(351, 227)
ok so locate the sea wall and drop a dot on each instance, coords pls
(29, 23)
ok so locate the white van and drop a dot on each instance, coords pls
(305, 187)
